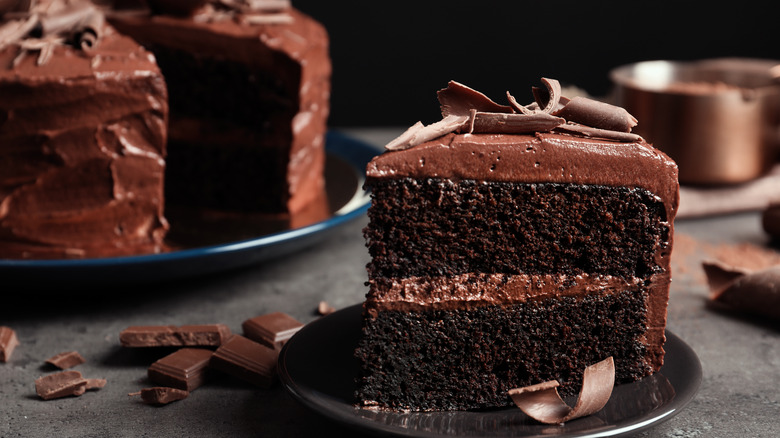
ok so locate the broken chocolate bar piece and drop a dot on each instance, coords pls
(246, 359)
(273, 329)
(65, 360)
(8, 342)
(62, 384)
(161, 395)
(204, 335)
(184, 369)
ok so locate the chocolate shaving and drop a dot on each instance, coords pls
(458, 99)
(548, 100)
(755, 292)
(496, 123)
(543, 403)
(591, 132)
(419, 133)
(597, 114)
(465, 110)
(255, 12)
(43, 27)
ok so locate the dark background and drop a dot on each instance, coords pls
(390, 58)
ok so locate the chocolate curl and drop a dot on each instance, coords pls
(91, 29)
(497, 123)
(419, 133)
(548, 101)
(542, 402)
(597, 114)
(742, 290)
(607, 134)
(458, 99)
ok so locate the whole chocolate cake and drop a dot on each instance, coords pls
(83, 114)
(249, 86)
(512, 245)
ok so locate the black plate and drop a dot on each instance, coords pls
(344, 175)
(318, 369)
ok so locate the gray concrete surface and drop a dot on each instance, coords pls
(740, 356)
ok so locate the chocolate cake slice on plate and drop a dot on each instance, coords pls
(512, 245)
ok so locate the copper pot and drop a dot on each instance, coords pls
(719, 119)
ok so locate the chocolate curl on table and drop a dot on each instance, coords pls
(543, 403)
(755, 292)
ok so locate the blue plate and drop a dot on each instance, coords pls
(317, 368)
(344, 175)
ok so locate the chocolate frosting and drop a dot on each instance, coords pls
(82, 141)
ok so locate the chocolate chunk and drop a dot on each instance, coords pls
(184, 369)
(161, 395)
(247, 360)
(205, 335)
(62, 384)
(542, 402)
(755, 292)
(8, 342)
(65, 360)
(273, 329)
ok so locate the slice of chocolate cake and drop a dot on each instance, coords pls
(511, 245)
(249, 85)
(83, 114)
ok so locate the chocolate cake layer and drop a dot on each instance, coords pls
(449, 228)
(82, 141)
(477, 355)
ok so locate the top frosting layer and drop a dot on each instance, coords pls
(553, 152)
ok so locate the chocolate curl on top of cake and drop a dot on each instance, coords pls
(465, 110)
(255, 12)
(40, 26)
